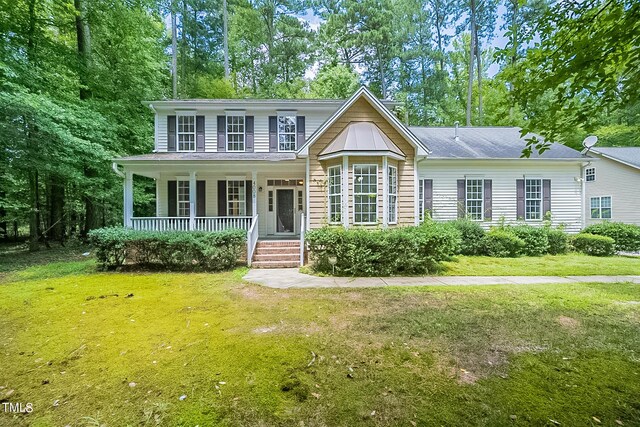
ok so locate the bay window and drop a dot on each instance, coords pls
(392, 214)
(335, 194)
(365, 194)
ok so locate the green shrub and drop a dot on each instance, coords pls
(472, 234)
(536, 240)
(626, 236)
(502, 243)
(382, 252)
(558, 241)
(173, 250)
(592, 244)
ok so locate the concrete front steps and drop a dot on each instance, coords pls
(276, 254)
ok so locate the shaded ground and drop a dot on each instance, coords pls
(118, 349)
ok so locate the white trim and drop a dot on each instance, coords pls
(416, 195)
(362, 153)
(293, 209)
(468, 178)
(600, 207)
(235, 112)
(295, 131)
(242, 199)
(353, 172)
(396, 194)
(363, 92)
(586, 173)
(178, 133)
(339, 167)
(608, 156)
(345, 191)
(244, 132)
(385, 191)
(541, 199)
(178, 181)
(307, 191)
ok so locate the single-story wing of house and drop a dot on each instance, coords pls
(279, 167)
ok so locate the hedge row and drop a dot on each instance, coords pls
(625, 236)
(382, 252)
(174, 250)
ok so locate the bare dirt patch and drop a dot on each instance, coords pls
(568, 322)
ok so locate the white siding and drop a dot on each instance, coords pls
(622, 183)
(313, 120)
(565, 191)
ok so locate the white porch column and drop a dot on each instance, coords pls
(345, 191)
(128, 198)
(254, 193)
(192, 200)
(385, 191)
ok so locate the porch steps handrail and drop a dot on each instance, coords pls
(252, 239)
(302, 230)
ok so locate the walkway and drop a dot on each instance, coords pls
(283, 278)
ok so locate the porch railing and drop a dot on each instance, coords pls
(215, 223)
(302, 230)
(252, 239)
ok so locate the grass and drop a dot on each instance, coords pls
(92, 348)
(550, 265)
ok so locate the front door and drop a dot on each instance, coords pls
(284, 211)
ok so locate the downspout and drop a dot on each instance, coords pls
(114, 166)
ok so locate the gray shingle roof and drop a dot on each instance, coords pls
(175, 156)
(484, 143)
(628, 155)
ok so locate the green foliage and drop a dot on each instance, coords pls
(558, 241)
(502, 243)
(392, 251)
(592, 244)
(472, 234)
(177, 251)
(626, 236)
(536, 239)
(337, 81)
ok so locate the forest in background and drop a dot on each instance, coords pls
(73, 74)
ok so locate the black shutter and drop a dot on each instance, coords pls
(248, 121)
(519, 198)
(222, 198)
(201, 198)
(172, 199)
(300, 123)
(273, 134)
(546, 196)
(222, 134)
(488, 189)
(427, 197)
(199, 133)
(248, 197)
(462, 198)
(171, 133)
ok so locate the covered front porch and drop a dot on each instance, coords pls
(215, 196)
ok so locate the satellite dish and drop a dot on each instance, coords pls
(589, 141)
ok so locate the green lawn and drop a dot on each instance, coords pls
(92, 348)
(549, 265)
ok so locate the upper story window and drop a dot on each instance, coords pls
(286, 132)
(335, 194)
(235, 132)
(601, 207)
(475, 199)
(365, 194)
(186, 132)
(590, 174)
(533, 199)
(393, 195)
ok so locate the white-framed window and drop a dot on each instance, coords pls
(533, 199)
(590, 174)
(236, 198)
(235, 132)
(335, 194)
(392, 215)
(421, 199)
(474, 201)
(186, 132)
(365, 194)
(183, 198)
(601, 207)
(286, 132)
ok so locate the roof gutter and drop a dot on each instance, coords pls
(114, 166)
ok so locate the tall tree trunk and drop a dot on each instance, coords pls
(4, 230)
(34, 217)
(56, 209)
(83, 36)
(225, 21)
(183, 50)
(174, 50)
(479, 59)
(471, 62)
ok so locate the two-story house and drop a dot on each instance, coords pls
(278, 167)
